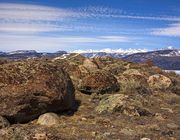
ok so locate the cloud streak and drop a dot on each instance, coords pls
(36, 18)
(12, 42)
(33, 12)
(172, 30)
(45, 13)
(32, 27)
(116, 13)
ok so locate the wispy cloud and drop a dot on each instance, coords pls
(32, 27)
(36, 27)
(33, 12)
(26, 17)
(116, 13)
(14, 42)
(23, 26)
(172, 30)
(31, 18)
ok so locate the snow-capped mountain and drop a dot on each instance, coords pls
(172, 53)
(2, 53)
(22, 52)
(166, 59)
(28, 54)
(115, 53)
(141, 57)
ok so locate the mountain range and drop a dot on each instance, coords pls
(27, 54)
(165, 59)
(168, 59)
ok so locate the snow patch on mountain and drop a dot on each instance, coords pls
(172, 54)
(108, 50)
(22, 52)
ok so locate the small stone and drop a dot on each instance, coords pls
(3, 122)
(145, 139)
(40, 136)
(167, 133)
(154, 127)
(173, 126)
(168, 109)
(94, 134)
(159, 117)
(106, 134)
(127, 131)
(48, 119)
(84, 119)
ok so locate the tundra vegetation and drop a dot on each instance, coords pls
(74, 97)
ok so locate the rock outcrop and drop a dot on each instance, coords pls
(33, 87)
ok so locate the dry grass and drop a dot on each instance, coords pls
(133, 86)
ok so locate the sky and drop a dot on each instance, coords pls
(83, 25)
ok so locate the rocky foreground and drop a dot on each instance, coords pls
(74, 97)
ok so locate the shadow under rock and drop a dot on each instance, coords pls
(71, 111)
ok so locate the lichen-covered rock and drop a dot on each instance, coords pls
(73, 64)
(4, 122)
(159, 81)
(89, 65)
(33, 87)
(136, 75)
(123, 104)
(99, 82)
(132, 72)
(48, 119)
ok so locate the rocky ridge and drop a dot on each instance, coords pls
(114, 99)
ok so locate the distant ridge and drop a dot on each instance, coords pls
(168, 59)
(27, 54)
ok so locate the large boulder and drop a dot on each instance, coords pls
(123, 104)
(73, 64)
(159, 81)
(99, 82)
(33, 87)
(133, 74)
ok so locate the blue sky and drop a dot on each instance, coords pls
(52, 25)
